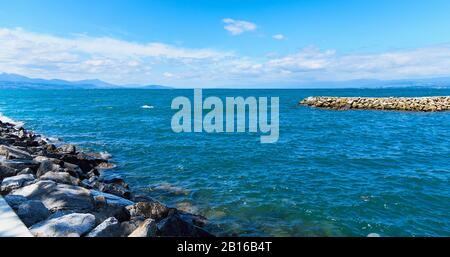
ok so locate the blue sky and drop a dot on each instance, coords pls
(225, 43)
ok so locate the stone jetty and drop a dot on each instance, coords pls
(58, 191)
(413, 104)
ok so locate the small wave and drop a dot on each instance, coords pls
(105, 155)
(52, 140)
(5, 119)
(147, 107)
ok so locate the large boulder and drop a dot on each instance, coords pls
(60, 177)
(147, 229)
(67, 149)
(108, 228)
(11, 183)
(71, 225)
(47, 166)
(85, 165)
(26, 171)
(128, 227)
(112, 199)
(19, 164)
(115, 189)
(7, 172)
(175, 226)
(14, 153)
(149, 209)
(32, 212)
(73, 170)
(58, 196)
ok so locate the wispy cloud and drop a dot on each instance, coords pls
(238, 27)
(119, 61)
(279, 37)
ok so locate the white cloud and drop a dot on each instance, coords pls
(168, 75)
(119, 61)
(279, 37)
(237, 27)
(82, 57)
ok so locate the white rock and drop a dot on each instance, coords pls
(71, 225)
(58, 196)
(108, 228)
(15, 182)
(112, 199)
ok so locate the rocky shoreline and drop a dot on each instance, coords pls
(60, 192)
(413, 104)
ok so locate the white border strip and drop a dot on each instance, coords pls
(10, 224)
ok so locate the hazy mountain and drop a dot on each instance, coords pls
(373, 83)
(14, 81)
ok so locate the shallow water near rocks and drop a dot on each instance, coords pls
(332, 173)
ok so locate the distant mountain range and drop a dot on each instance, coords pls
(14, 81)
(373, 83)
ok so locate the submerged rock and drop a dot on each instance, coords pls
(71, 225)
(67, 149)
(150, 209)
(174, 225)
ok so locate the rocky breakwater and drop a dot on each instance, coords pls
(414, 104)
(60, 192)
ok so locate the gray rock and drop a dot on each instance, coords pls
(67, 149)
(147, 229)
(32, 212)
(14, 153)
(104, 212)
(7, 172)
(71, 225)
(108, 228)
(60, 177)
(112, 199)
(114, 189)
(26, 171)
(175, 226)
(11, 183)
(19, 164)
(58, 196)
(47, 166)
(73, 170)
(150, 209)
(127, 227)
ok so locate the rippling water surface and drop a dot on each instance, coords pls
(332, 173)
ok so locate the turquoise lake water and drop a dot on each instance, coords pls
(332, 173)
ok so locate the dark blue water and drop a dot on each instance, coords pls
(333, 173)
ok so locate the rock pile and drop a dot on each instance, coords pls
(415, 104)
(59, 192)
